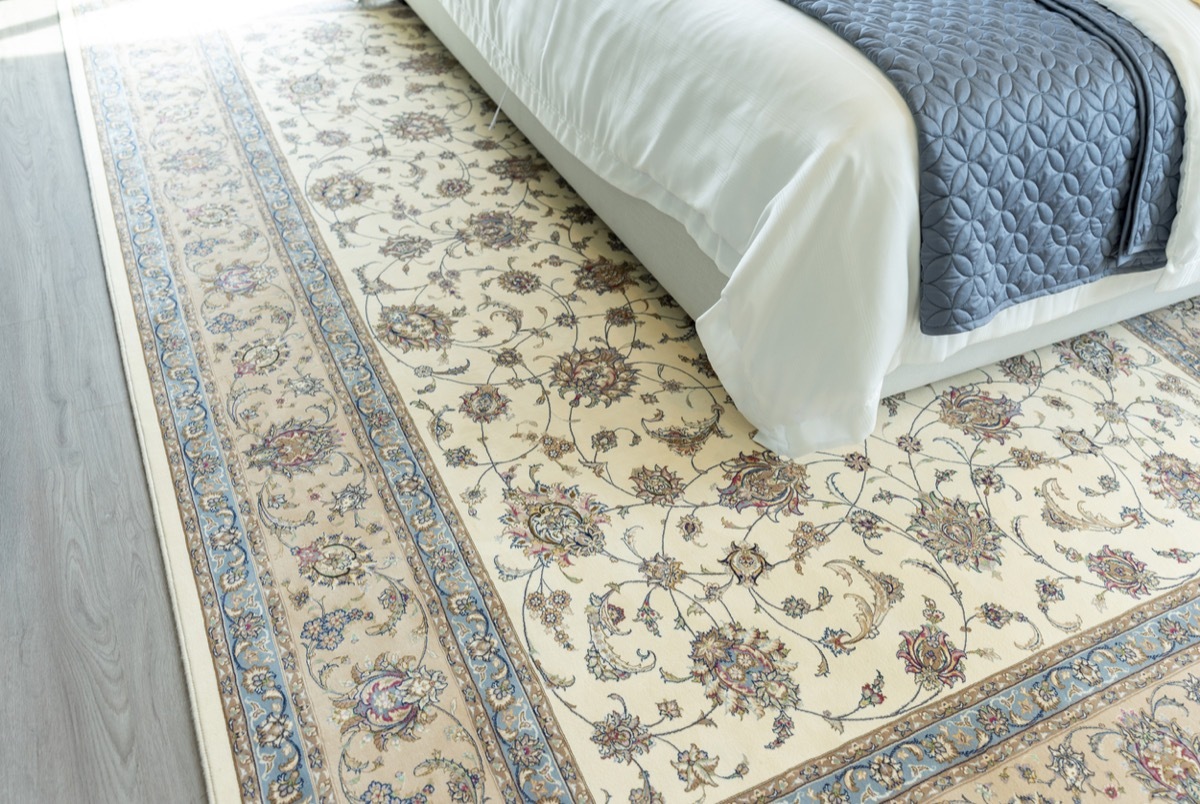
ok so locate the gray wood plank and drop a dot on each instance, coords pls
(94, 703)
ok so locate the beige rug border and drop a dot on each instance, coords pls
(216, 755)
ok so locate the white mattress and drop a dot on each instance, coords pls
(791, 162)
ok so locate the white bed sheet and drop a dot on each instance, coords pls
(791, 160)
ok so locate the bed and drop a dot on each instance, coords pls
(766, 173)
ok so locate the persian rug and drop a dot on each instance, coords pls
(454, 508)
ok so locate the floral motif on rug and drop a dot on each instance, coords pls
(471, 517)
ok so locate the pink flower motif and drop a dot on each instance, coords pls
(1174, 479)
(485, 404)
(766, 482)
(555, 523)
(746, 670)
(956, 530)
(621, 737)
(394, 699)
(1097, 354)
(1122, 572)
(929, 656)
(978, 415)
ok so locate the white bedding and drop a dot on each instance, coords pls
(791, 160)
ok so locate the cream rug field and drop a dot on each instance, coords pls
(454, 508)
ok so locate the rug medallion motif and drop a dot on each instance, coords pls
(469, 517)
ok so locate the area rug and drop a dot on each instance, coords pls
(454, 508)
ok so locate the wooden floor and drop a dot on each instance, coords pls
(93, 703)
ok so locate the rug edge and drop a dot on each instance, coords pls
(208, 721)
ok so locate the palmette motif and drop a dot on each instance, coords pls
(477, 521)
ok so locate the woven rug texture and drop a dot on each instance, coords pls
(455, 509)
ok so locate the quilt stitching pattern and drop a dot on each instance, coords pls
(1049, 140)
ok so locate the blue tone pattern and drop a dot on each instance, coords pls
(1050, 137)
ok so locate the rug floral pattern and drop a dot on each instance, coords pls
(473, 518)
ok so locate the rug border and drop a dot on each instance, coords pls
(208, 720)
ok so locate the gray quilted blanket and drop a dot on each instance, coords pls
(1050, 137)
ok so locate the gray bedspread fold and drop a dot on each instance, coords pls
(1050, 137)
